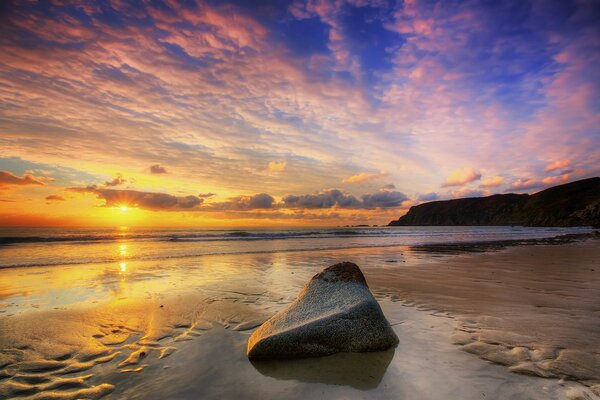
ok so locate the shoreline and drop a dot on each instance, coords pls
(484, 246)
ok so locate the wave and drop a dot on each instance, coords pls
(229, 235)
(248, 235)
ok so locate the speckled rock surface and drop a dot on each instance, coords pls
(334, 312)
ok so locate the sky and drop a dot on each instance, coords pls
(326, 112)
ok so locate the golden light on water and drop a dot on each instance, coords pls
(123, 249)
(123, 267)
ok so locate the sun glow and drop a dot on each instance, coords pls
(123, 208)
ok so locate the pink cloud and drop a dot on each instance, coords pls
(524, 184)
(467, 192)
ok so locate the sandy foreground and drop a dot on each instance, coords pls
(517, 323)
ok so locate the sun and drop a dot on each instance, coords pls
(123, 208)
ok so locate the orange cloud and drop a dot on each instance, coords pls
(55, 197)
(119, 180)
(556, 165)
(157, 169)
(364, 177)
(275, 166)
(462, 176)
(492, 182)
(555, 180)
(8, 179)
(145, 200)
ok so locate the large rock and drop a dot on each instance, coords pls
(334, 312)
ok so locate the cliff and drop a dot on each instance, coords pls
(573, 204)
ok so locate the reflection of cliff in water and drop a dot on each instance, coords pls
(363, 371)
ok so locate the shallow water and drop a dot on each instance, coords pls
(112, 328)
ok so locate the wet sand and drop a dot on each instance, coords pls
(535, 309)
(179, 329)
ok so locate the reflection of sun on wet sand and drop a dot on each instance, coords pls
(179, 329)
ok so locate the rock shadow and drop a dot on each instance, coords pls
(362, 371)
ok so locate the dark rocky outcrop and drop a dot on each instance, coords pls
(334, 312)
(572, 204)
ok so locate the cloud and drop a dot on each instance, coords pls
(364, 177)
(335, 198)
(241, 203)
(525, 183)
(466, 192)
(558, 165)
(492, 182)
(383, 199)
(55, 197)
(86, 189)
(556, 180)
(8, 179)
(389, 186)
(216, 90)
(428, 196)
(38, 171)
(144, 200)
(275, 166)
(119, 180)
(325, 199)
(158, 169)
(206, 195)
(409, 203)
(462, 176)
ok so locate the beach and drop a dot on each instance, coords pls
(492, 320)
(196, 196)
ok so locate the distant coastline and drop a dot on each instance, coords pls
(572, 204)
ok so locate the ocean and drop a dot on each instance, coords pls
(29, 247)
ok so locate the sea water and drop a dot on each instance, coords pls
(24, 247)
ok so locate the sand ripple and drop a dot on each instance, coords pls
(120, 337)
